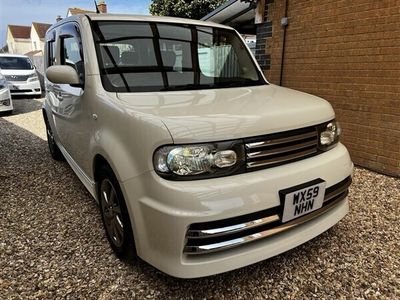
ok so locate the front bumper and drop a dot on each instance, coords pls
(162, 211)
(25, 88)
(5, 100)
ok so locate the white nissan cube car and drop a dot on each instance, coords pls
(21, 75)
(199, 165)
(6, 105)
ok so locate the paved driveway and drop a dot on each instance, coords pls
(52, 243)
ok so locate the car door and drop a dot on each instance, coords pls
(70, 108)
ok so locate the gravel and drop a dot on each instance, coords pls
(52, 244)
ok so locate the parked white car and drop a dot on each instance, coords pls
(199, 165)
(21, 75)
(6, 105)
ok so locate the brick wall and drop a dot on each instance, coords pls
(347, 52)
(263, 32)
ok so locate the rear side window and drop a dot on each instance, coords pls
(51, 53)
(72, 55)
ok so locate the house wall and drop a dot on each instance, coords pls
(10, 42)
(18, 46)
(36, 43)
(22, 46)
(347, 52)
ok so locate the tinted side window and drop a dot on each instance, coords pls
(72, 55)
(51, 53)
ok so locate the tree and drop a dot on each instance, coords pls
(195, 9)
(4, 49)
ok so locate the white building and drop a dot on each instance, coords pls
(18, 39)
(38, 32)
(101, 6)
(26, 39)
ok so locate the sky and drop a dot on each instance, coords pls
(24, 12)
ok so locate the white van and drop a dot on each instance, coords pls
(199, 165)
(21, 75)
(6, 105)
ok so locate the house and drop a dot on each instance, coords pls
(101, 6)
(77, 11)
(38, 32)
(347, 52)
(26, 39)
(18, 39)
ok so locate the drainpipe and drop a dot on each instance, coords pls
(284, 24)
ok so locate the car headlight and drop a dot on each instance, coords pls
(329, 135)
(200, 161)
(5, 102)
(33, 78)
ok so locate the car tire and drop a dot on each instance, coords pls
(55, 152)
(115, 216)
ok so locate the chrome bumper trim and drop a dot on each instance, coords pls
(208, 237)
(210, 248)
(232, 229)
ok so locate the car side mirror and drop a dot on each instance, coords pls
(63, 75)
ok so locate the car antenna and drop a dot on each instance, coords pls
(97, 8)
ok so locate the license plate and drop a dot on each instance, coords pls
(302, 199)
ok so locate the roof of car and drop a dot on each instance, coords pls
(144, 18)
(138, 18)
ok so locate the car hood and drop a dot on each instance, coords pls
(222, 114)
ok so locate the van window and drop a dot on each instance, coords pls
(15, 63)
(51, 53)
(72, 55)
(149, 56)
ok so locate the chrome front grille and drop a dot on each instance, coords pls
(281, 148)
(17, 77)
(214, 236)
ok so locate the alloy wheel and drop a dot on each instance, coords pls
(112, 213)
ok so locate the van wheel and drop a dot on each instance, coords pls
(114, 214)
(54, 150)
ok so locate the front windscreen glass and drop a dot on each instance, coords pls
(15, 63)
(146, 56)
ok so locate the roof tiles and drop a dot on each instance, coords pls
(20, 32)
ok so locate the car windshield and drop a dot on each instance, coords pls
(15, 63)
(147, 56)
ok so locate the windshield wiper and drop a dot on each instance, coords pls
(240, 82)
(189, 86)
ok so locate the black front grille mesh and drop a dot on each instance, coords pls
(17, 77)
